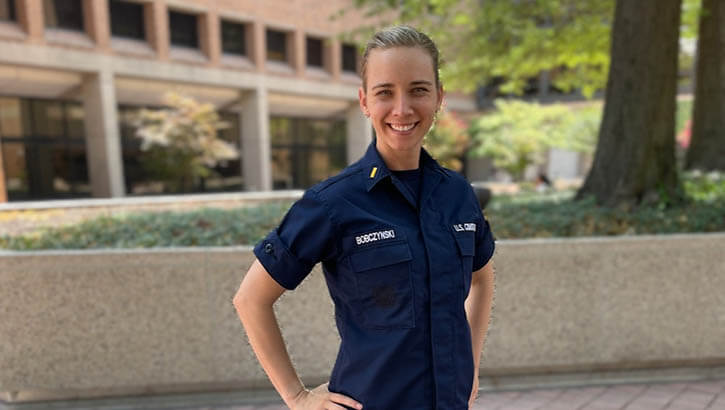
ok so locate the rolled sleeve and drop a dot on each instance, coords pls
(485, 245)
(485, 241)
(304, 237)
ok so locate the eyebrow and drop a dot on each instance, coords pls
(387, 85)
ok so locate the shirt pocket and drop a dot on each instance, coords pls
(466, 244)
(384, 285)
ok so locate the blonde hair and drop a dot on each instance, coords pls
(400, 36)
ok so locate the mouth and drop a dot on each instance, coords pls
(403, 127)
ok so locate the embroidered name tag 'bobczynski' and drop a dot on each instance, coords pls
(374, 236)
(465, 227)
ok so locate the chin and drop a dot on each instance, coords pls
(398, 143)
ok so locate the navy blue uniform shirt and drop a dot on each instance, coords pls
(398, 275)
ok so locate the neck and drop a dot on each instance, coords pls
(397, 160)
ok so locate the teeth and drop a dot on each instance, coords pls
(402, 127)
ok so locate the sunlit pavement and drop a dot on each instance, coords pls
(696, 395)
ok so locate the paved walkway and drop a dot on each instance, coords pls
(675, 396)
(695, 395)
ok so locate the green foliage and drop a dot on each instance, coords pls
(705, 187)
(181, 143)
(557, 215)
(690, 23)
(448, 140)
(204, 227)
(507, 39)
(515, 40)
(527, 215)
(518, 134)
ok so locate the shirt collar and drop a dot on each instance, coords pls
(375, 170)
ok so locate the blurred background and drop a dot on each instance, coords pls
(153, 126)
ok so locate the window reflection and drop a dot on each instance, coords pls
(306, 151)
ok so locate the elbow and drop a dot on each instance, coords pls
(240, 301)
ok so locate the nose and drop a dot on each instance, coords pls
(402, 105)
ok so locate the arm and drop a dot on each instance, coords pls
(253, 301)
(478, 311)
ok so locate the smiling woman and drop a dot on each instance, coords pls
(405, 249)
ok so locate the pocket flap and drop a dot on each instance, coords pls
(466, 242)
(380, 256)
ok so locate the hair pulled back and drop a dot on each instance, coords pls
(400, 36)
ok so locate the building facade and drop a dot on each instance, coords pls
(277, 71)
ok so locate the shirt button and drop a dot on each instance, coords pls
(268, 248)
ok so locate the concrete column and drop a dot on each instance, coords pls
(257, 154)
(297, 44)
(209, 32)
(30, 17)
(98, 25)
(333, 62)
(103, 146)
(258, 53)
(157, 28)
(359, 133)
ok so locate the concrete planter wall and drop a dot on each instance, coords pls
(95, 323)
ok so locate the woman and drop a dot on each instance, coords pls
(405, 251)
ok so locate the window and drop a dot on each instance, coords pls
(7, 10)
(127, 19)
(183, 29)
(349, 58)
(276, 46)
(43, 149)
(314, 52)
(306, 151)
(65, 14)
(233, 38)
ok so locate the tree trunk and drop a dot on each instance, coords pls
(707, 146)
(635, 158)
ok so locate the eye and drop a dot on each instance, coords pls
(420, 90)
(384, 93)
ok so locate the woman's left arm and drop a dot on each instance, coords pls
(478, 311)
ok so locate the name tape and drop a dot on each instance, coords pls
(465, 227)
(374, 236)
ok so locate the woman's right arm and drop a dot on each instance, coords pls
(253, 301)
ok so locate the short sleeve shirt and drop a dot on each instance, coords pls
(398, 271)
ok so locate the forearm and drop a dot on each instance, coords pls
(478, 309)
(266, 340)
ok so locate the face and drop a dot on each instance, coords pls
(401, 98)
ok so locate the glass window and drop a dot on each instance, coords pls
(314, 52)
(233, 38)
(306, 151)
(183, 29)
(7, 10)
(43, 149)
(349, 58)
(276, 46)
(127, 19)
(65, 14)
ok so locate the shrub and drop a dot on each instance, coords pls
(204, 227)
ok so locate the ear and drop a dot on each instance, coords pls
(441, 96)
(362, 97)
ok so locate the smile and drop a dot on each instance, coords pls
(403, 127)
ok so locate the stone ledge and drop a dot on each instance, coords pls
(86, 323)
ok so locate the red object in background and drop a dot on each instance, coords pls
(683, 138)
